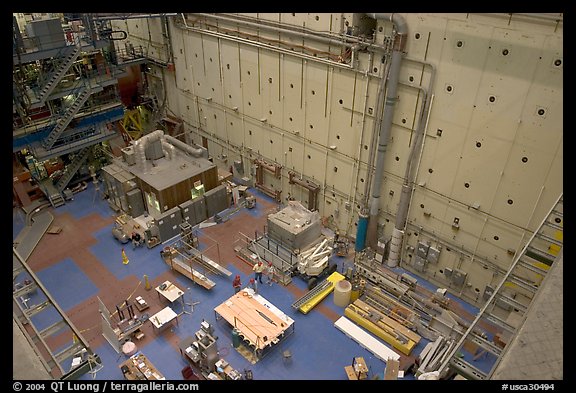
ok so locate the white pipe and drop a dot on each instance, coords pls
(266, 46)
(140, 148)
(299, 30)
(168, 149)
(184, 147)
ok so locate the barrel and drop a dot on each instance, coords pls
(342, 291)
(235, 338)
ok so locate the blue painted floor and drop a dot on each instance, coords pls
(319, 350)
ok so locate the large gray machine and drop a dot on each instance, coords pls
(294, 226)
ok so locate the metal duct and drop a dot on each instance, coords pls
(168, 149)
(195, 152)
(140, 148)
(389, 104)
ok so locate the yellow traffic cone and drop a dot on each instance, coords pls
(124, 258)
(147, 284)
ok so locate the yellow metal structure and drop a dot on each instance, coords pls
(386, 328)
(310, 304)
(134, 122)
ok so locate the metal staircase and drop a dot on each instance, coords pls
(57, 74)
(62, 123)
(54, 196)
(72, 168)
(30, 298)
(510, 301)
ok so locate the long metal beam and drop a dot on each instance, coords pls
(82, 342)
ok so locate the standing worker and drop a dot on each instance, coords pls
(258, 269)
(254, 285)
(270, 273)
(236, 283)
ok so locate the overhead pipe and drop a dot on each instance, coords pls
(259, 44)
(199, 152)
(114, 16)
(389, 104)
(314, 33)
(283, 30)
(544, 16)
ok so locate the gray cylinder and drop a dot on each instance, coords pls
(235, 338)
(395, 245)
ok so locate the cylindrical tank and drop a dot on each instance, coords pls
(355, 293)
(235, 338)
(361, 232)
(342, 291)
(395, 245)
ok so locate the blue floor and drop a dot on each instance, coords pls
(319, 350)
(78, 287)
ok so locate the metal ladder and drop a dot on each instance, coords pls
(311, 294)
(511, 299)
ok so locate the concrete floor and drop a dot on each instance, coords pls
(536, 353)
(25, 362)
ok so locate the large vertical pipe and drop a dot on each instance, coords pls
(407, 187)
(361, 231)
(389, 105)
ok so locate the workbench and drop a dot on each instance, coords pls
(259, 322)
(170, 292)
(163, 318)
(138, 367)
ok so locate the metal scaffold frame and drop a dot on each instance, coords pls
(23, 312)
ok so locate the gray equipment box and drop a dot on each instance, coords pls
(188, 213)
(135, 202)
(419, 263)
(199, 207)
(169, 223)
(216, 200)
(422, 249)
(433, 255)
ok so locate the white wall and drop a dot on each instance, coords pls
(502, 155)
